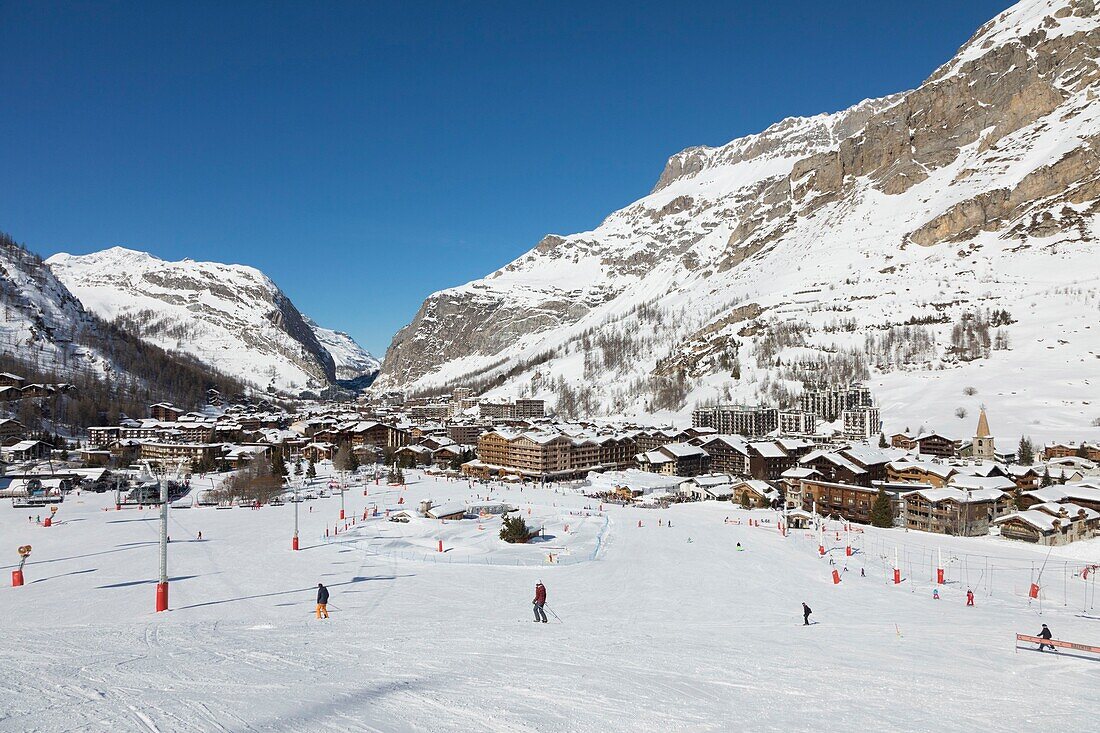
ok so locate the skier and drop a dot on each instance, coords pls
(322, 601)
(1045, 634)
(935, 594)
(969, 597)
(539, 602)
(863, 572)
(200, 536)
(739, 547)
(806, 614)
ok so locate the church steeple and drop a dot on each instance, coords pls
(982, 444)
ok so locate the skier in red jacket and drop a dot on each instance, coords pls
(969, 597)
(540, 601)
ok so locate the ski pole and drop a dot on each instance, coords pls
(547, 607)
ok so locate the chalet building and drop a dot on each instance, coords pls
(675, 459)
(11, 431)
(1085, 493)
(411, 456)
(165, 412)
(1089, 451)
(871, 460)
(7, 379)
(10, 394)
(768, 460)
(172, 452)
(953, 511)
(834, 467)
(647, 440)
(710, 486)
(318, 451)
(446, 455)
(38, 390)
(790, 481)
(847, 501)
(728, 453)
(533, 454)
(927, 444)
(1025, 477)
(755, 493)
(919, 472)
(1050, 524)
(26, 450)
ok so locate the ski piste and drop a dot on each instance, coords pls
(440, 633)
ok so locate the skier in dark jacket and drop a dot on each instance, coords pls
(806, 614)
(1045, 634)
(322, 601)
(540, 601)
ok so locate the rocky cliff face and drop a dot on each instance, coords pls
(905, 211)
(231, 317)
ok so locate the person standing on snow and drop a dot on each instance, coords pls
(1045, 634)
(806, 614)
(969, 597)
(322, 601)
(539, 602)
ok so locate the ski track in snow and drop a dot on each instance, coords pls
(657, 634)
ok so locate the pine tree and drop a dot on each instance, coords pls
(298, 466)
(882, 513)
(513, 529)
(882, 441)
(1046, 480)
(1025, 453)
(311, 469)
(278, 465)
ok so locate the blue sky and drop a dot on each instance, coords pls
(366, 154)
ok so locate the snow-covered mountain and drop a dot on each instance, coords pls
(938, 243)
(42, 322)
(353, 362)
(231, 317)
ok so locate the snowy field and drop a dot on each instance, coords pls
(663, 627)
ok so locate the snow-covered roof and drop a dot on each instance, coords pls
(798, 472)
(958, 495)
(1061, 492)
(446, 509)
(1071, 510)
(768, 449)
(1039, 520)
(1003, 483)
(683, 450)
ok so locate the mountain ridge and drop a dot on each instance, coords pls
(972, 189)
(233, 317)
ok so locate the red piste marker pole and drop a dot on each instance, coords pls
(162, 586)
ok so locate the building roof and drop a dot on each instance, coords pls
(1040, 520)
(961, 481)
(958, 495)
(683, 450)
(1061, 492)
(769, 449)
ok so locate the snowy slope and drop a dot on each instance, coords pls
(232, 317)
(847, 245)
(665, 628)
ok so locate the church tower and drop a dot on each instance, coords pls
(981, 446)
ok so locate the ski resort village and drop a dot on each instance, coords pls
(805, 438)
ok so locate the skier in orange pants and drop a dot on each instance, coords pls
(322, 601)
